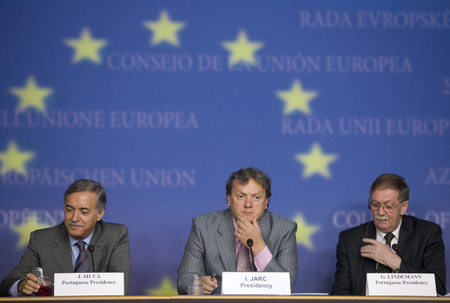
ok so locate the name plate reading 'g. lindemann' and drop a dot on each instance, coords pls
(89, 284)
(401, 284)
(256, 283)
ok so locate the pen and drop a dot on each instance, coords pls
(213, 276)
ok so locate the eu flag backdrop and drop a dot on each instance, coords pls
(161, 100)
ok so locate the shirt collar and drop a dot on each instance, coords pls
(380, 234)
(86, 240)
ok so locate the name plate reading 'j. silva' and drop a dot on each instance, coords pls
(256, 283)
(401, 284)
(89, 284)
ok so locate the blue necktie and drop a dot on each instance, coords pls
(81, 265)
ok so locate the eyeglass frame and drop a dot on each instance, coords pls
(381, 205)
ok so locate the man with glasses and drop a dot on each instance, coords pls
(368, 248)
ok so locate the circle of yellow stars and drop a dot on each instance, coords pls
(242, 50)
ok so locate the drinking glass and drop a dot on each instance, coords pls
(41, 276)
(196, 285)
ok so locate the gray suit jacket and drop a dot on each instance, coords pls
(50, 248)
(210, 247)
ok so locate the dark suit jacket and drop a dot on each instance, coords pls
(50, 248)
(420, 246)
(210, 247)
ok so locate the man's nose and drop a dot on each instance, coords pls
(75, 216)
(248, 202)
(381, 210)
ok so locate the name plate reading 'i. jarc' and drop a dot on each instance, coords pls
(401, 284)
(89, 284)
(256, 283)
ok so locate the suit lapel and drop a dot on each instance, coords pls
(405, 241)
(98, 247)
(264, 224)
(369, 265)
(227, 252)
(62, 251)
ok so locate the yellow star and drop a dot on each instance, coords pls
(31, 95)
(296, 99)
(166, 289)
(24, 230)
(304, 231)
(242, 49)
(14, 160)
(86, 47)
(316, 162)
(164, 29)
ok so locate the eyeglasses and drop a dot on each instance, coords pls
(376, 206)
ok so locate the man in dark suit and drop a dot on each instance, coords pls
(55, 248)
(217, 237)
(363, 249)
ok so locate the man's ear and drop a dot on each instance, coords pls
(404, 207)
(100, 214)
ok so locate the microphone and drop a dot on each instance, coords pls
(250, 244)
(91, 250)
(395, 248)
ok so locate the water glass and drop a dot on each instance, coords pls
(196, 285)
(41, 276)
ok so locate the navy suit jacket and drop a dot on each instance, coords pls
(420, 246)
(50, 248)
(210, 247)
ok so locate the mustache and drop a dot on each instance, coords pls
(382, 218)
(75, 224)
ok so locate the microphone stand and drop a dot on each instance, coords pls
(91, 250)
(250, 244)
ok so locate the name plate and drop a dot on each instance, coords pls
(89, 284)
(256, 283)
(401, 284)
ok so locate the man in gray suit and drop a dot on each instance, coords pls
(217, 237)
(55, 248)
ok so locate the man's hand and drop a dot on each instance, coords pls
(28, 286)
(250, 230)
(209, 284)
(381, 253)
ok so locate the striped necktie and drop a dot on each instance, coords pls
(383, 268)
(81, 265)
(242, 259)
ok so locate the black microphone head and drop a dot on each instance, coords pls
(250, 242)
(91, 248)
(395, 247)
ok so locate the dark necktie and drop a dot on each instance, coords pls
(242, 259)
(383, 268)
(81, 264)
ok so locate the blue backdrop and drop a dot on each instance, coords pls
(161, 100)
